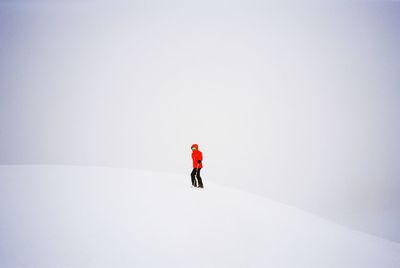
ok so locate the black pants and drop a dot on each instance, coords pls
(196, 175)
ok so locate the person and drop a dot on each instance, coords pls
(197, 158)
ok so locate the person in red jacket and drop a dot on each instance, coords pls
(197, 157)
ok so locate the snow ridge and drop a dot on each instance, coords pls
(68, 216)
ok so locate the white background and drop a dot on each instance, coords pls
(294, 101)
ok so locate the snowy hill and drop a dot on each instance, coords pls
(64, 216)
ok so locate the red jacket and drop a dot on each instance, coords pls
(197, 156)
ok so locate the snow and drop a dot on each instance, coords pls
(77, 216)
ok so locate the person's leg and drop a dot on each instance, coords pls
(199, 181)
(193, 174)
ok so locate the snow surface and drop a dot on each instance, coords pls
(67, 216)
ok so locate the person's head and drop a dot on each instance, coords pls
(194, 147)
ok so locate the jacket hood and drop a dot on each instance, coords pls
(195, 146)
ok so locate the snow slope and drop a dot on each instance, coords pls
(66, 216)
